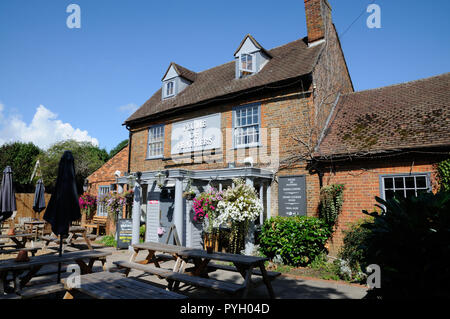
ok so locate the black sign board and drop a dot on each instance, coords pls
(124, 231)
(292, 195)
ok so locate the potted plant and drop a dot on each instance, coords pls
(88, 204)
(189, 194)
(205, 211)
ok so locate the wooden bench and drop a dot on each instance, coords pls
(97, 222)
(41, 290)
(270, 274)
(171, 277)
(32, 250)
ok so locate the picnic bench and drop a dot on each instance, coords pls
(19, 240)
(32, 250)
(198, 275)
(23, 272)
(75, 232)
(107, 285)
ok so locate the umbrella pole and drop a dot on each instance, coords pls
(60, 254)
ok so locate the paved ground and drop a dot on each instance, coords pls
(285, 287)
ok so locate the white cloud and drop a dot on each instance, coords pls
(129, 108)
(44, 129)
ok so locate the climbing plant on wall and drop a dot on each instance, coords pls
(331, 199)
(443, 169)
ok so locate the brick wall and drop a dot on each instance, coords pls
(362, 184)
(104, 176)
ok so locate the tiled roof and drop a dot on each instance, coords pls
(288, 61)
(408, 115)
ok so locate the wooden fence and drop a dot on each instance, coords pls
(24, 204)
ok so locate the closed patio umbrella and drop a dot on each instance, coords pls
(39, 198)
(63, 206)
(7, 195)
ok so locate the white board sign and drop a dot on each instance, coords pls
(198, 134)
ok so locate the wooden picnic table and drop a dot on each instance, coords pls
(107, 285)
(84, 258)
(19, 240)
(74, 233)
(245, 265)
(33, 226)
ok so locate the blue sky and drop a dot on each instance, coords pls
(56, 81)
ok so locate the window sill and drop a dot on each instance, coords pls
(246, 146)
(154, 157)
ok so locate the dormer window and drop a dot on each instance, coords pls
(170, 88)
(250, 57)
(175, 80)
(246, 63)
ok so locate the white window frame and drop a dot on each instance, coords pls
(166, 87)
(383, 189)
(237, 127)
(152, 141)
(101, 210)
(241, 68)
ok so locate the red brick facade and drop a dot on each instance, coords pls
(104, 176)
(362, 183)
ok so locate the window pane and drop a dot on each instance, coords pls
(389, 194)
(421, 181)
(388, 183)
(410, 193)
(399, 182)
(409, 182)
(399, 194)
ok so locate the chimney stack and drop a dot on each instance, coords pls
(318, 14)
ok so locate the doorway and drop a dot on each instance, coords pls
(166, 213)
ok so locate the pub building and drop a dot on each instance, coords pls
(256, 117)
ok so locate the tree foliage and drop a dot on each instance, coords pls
(22, 159)
(443, 169)
(88, 158)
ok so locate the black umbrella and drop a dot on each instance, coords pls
(7, 195)
(39, 198)
(63, 207)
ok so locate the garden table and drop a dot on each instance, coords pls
(74, 233)
(19, 240)
(245, 265)
(84, 258)
(107, 285)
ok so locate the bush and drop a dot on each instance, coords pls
(296, 240)
(352, 251)
(109, 241)
(331, 199)
(410, 241)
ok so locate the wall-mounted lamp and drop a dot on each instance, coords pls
(85, 185)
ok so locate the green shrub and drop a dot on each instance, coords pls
(443, 170)
(109, 241)
(331, 199)
(410, 241)
(297, 240)
(352, 251)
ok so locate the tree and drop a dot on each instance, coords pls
(22, 159)
(88, 158)
(118, 148)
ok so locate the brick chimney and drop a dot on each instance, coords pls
(318, 14)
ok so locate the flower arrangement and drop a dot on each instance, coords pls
(114, 202)
(88, 204)
(205, 208)
(238, 208)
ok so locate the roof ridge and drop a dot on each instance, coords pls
(397, 84)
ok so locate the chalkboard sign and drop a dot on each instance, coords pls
(292, 195)
(124, 231)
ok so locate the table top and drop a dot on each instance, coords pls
(167, 248)
(107, 285)
(200, 253)
(34, 222)
(11, 264)
(75, 229)
(16, 235)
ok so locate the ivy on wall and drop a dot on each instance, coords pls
(443, 169)
(331, 199)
